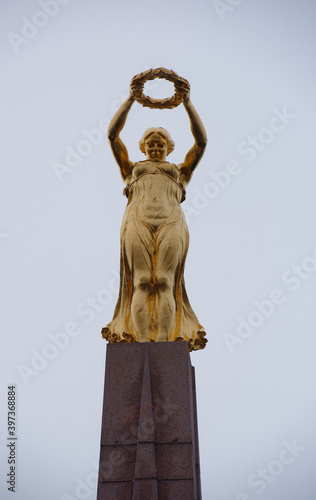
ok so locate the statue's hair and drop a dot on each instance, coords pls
(157, 130)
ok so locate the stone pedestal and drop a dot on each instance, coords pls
(149, 439)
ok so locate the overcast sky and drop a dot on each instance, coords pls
(251, 269)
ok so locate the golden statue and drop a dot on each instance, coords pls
(153, 305)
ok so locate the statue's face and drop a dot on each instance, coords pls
(156, 147)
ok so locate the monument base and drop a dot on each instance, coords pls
(149, 439)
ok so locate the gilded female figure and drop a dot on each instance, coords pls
(153, 303)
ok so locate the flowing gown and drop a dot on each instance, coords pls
(154, 236)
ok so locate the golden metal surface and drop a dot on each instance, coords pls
(153, 305)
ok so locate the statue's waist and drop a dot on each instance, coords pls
(148, 212)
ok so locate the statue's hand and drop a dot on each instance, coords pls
(135, 89)
(183, 88)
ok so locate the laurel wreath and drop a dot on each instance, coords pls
(168, 103)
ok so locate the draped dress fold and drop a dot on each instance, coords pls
(154, 235)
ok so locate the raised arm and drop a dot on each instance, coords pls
(118, 147)
(195, 154)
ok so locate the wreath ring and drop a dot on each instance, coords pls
(138, 82)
